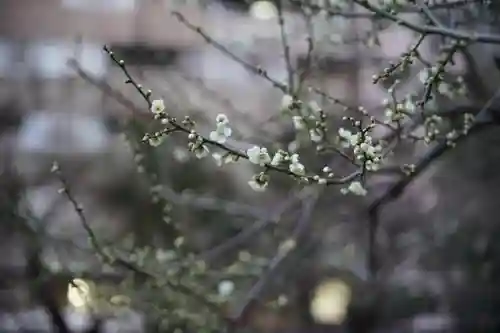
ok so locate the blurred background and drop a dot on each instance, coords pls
(440, 262)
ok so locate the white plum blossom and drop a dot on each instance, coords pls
(157, 106)
(298, 123)
(295, 166)
(356, 188)
(156, 140)
(222, 119)
(225, 288)
(286, 102)
(259, 182)
(258, 155)
(278, 158)
(222, 131)
(363, 148)
(200, 151)
(352, 139)
(230, 158)
(221, 159)
(218, 159)
(319, 180)
(316, 135)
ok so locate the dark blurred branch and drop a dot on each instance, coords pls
(486, 116)
(298, 235)
(142, 274)
(371, 15)
(431, 29)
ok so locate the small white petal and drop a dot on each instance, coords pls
(297, 168)
(218, 159)
(277, 159)
(221, 119)
(257, 187)
(286, 102)
(227, 131)
(217, 137)
(201, 151)
(298, 122)
(315, 135)
(157, 106)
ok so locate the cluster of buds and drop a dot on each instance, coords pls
(432, 127)
(197, 145)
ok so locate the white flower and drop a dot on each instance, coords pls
(258, 155)
(315, 135)
(230, 158)
(278, 158)
(355, 188)
(225, 288)
(157, 106)
(259, 182)
(298, 123)
(221, 119)
(343, 133)
(256, 186)
(201, 151)
(286, 102)
(295, 166)
(322, 181)
(221, 133)
(157, 140)
(218, 159)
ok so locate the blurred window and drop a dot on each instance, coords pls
(49, 58)
(46, 132)
(100, 5)
(6, 58)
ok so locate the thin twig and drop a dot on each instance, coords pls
(115, 260)
(298, 233)
(286, 47)
(431, 29)
(484, 117)
(235, 152)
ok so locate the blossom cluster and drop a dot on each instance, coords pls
(365, 151)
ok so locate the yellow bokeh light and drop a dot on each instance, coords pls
(330, 302)
(263, 10)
